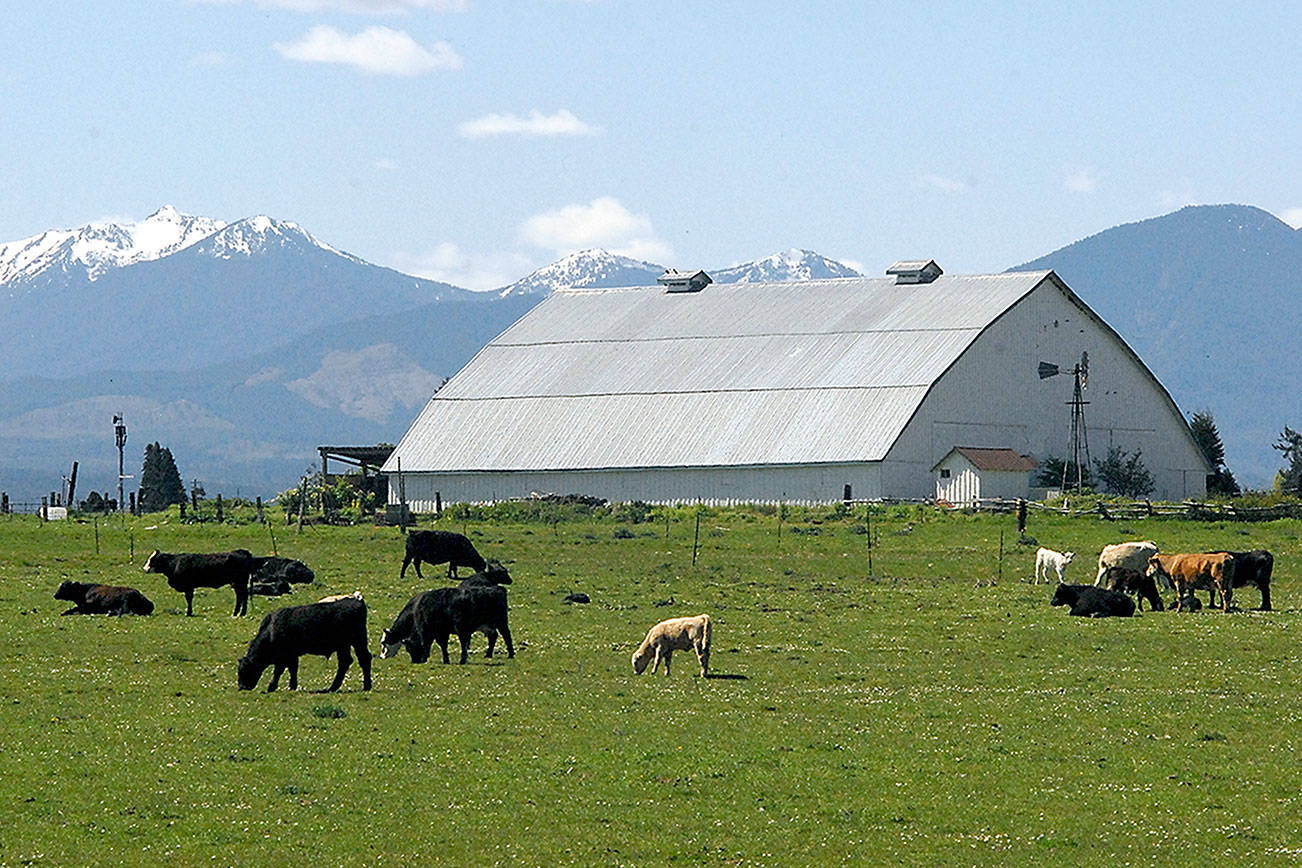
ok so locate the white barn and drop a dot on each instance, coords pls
(796, 392)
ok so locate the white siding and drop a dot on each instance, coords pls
(993, 397)
(713, 485)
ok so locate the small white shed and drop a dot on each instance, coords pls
(967, 474)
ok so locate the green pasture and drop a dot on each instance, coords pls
(929, 712)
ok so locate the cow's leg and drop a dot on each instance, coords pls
(364, 658)
(464, 637)
(293, 673)
(669, 655)
(703, 654)
(275, 677)
(1265, 597)
(239, 600)
(655, 661)
(189, 603)
(506, 637)
(443, 645)
(492, 641)
(405, 562)
(345, 660)
(1227, 595)
(417, 563)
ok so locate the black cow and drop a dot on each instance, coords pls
(1129, 581)
(91, 599)
(1088, 601)
(282, 570)
(185, 572)
(317, 628)
(1252, 568)
(441, 547)
(433, 616)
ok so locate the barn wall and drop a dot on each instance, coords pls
(797, 484)
(963, 485)
(993, 397)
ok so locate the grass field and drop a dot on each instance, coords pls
(902, 717)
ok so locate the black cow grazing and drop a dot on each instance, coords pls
(317, 628)
(492, 574)
(441, 547)
(1087, 601)
(185, 572)
(1252, 568)
(1129, 581)
(91, 599)
(433, 616)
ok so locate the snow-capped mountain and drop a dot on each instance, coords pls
(98, 247)
(595, 269)
(793, 264)
(174, 292)
(591, 269)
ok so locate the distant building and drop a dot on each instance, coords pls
(967, 475)
(799, 391)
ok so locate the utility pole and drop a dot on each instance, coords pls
(120, 434)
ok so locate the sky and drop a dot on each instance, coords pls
(473, 141)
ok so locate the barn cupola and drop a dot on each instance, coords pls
(915, 271)
(684, 281)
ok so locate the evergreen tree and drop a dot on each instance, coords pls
(1125, 474)
(1289, 479)
(1050, 474)
(1203, 428)
(160, 481)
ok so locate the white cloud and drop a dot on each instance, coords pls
(376, 51)
(1081, 181)
(563, 123)
(945, 185)
(365, 7)
(603, 222)
(448, 263)
(1292, 216)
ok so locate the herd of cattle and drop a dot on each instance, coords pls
(1138, 568)
(336, 625)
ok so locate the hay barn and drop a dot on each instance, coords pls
(806, 391)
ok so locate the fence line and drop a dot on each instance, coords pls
(1189, 509)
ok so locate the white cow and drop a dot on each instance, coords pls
(1128, 556)
(1048, 559)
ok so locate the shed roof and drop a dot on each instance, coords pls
(820, 371)
(992, 459)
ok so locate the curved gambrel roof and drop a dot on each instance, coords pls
(810, 372)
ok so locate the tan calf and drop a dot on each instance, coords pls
(1186, 572)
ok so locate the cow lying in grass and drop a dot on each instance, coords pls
(433, 616)
(93, 599)
(675, 634)
(440, 547)
(273, 577)
(1087, 601)
(185, 572)
(317, 628)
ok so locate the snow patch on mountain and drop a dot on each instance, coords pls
(793, 264)
(587, 269)
(99, 247)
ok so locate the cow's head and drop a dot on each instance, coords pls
(1064, 595)
(496, 573)
(1158, 572)
(150, 565)
(1067, 557)
(641, 657)
(249, 672)
(73, 592)
(391, 646)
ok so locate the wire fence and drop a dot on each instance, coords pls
(1118, 510)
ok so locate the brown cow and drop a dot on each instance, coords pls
(1208, 572)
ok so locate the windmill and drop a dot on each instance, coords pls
(1080, 444)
